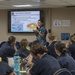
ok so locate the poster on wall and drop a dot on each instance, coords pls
(65, 36)
(57, 22)
(65, 22)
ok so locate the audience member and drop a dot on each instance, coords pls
(23, 52)
(71, 45)
(52, 41)
(8, 49)
(65, 60)
(45, 64)
(5, 69)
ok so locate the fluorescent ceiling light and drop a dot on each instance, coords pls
(22, 5)
(36, 0)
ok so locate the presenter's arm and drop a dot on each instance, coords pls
(37, 31)
(41, 35)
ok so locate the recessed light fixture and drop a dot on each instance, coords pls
(22, 5)
(36, 0)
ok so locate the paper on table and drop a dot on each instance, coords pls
(11, 61)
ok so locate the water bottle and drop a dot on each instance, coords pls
(17, 64)
(0, 59)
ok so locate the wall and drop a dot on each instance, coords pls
(50, 15)
(4, 27)
(63, 14)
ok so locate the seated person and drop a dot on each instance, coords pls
(45, 64)
(23, 52)
(71, 46)
(52, 41)
(8, 49)
(31, 59)
(65, 60)
(5, 69)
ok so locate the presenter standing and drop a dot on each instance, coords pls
(41, 33)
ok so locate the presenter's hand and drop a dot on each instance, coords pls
(36, 31)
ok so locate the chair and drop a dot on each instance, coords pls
(62, 71)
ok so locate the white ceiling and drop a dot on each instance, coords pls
(7, 4)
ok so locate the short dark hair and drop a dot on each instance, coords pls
(11, 39)
(37, 48)
(41, 20)
(60, 46)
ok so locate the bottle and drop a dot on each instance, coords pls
(0, 59)
(17, 64)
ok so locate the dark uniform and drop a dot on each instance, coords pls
(6, 51)
(23, 52)
(47, 65)
(68, 62)
(72, 49)
(42, 30)
(5, 69)
(51, 50)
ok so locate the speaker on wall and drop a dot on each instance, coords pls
(49, 30)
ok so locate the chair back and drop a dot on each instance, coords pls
(62, 71)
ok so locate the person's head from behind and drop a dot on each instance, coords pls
(12, 40)
(72, 38)
(37, 49)
(51, 37)
(24, 43)
(36, 41)
(40, 22)
(60, 48)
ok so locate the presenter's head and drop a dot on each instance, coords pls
(40, 23)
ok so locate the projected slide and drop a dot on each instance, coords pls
(24, 21)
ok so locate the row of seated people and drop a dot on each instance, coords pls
(9, 49)
(44, 63)
(70, 45)
(39, 52)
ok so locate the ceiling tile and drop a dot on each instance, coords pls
(7, 4)
(72, 2)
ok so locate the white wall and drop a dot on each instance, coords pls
(63, 14)
(50, 15)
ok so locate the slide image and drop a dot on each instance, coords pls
(17, 27)
(32, 26)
